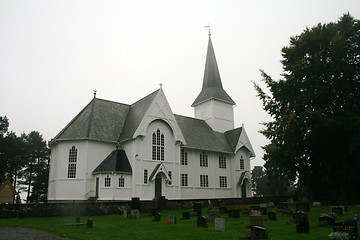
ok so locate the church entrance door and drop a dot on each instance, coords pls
(158, 185)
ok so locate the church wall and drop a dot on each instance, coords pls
(89, 156)
(193, 169)
(114, 191)
(141, 147)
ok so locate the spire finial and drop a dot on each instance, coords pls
(208, 26)
(161, 85)
(95, 93)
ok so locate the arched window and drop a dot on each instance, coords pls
(107, 181)
(72, 162)
(242, 163)
(158, 146)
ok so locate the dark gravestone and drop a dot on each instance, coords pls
(185, 215)
(213, 214)
(77, 219)
(157, 217)
(223, 210)
(272, 216)
(349, 227)
(202, 222)
(153, 211)
(259, 232)
(256, 220)
(198, 209)
(302, 222)
(338, 210)
(89, 223)
(328, 217)
(135, 203)
(302, 207)
(234, 213)
(263, 210)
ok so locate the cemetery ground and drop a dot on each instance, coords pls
(119, 227)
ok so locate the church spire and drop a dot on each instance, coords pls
(212, 86)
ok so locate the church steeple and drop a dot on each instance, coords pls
(213, 104)
(212, 86)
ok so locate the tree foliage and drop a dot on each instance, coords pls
(315, 131)
(25, 161)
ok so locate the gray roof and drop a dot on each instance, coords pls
(104, 120)
(199, 135)
(135, 115)
(233, 137)
(212, 87)
(100, 120)
(116, 162)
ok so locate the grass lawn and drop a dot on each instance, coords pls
(117, 227)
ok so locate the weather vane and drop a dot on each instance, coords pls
(208, 26)
(95, 93)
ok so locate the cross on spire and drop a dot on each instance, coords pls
(208, 26)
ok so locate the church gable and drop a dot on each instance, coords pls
(159, 109)
(238, 138)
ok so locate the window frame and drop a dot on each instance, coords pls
(72, 163)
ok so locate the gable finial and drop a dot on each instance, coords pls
(160, 85)
(95, 93)
(208, 26)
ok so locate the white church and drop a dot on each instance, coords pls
(115, 151)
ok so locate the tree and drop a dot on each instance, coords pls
(315, 131)
(36, 169)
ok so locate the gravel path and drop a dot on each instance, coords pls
(15, 233)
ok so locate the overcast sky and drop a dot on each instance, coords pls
(54, 53)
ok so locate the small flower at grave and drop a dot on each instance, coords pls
(168, 222)
(239, 207)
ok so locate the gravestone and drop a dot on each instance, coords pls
(157, 217)
(213, 214)
(349, 227)
(328, 217)
(89, 223)
(219, 224)
(135, 203)
(185, 215)
(198, 209)
(134, 214)
(263, 210)
(302, 207)
(172, 219)
(256, 220)
(259, 232)
(316, 204)
(272, 216)
(223, 210)
(202, 222)
(77, 219)
(302, 222)
(234, 213)
(338, 210)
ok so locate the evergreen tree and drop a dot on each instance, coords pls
(315, 132)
